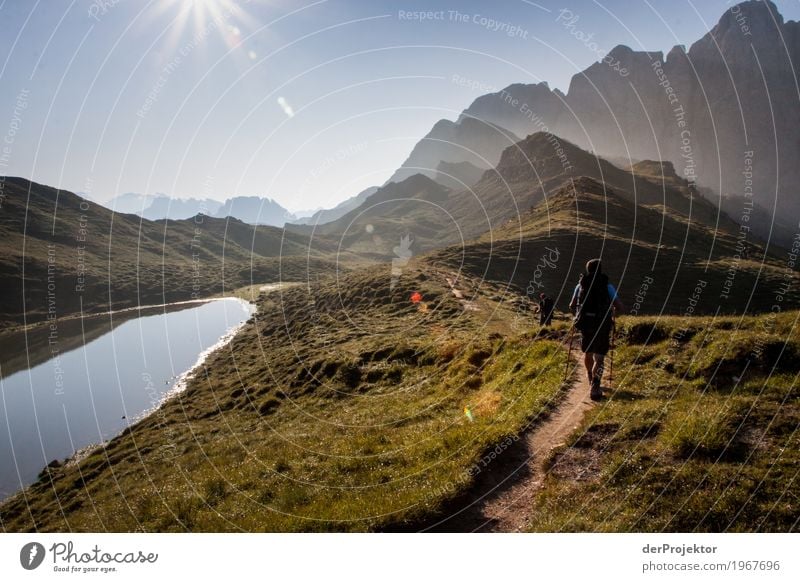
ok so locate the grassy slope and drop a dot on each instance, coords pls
(340, 407)
(316, 419)
(128, 260)
(700, 433)
(585, 220)
(537, 167)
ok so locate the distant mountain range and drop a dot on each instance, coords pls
(725, 113)
(249, 209)
(255, 210)
(63, 255)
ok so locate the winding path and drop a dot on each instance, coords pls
(501, 500)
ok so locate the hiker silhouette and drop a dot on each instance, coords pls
(546, 306)
(594, 304)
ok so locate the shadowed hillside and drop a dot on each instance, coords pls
(64, 254)
(669, 253)
(528, 173)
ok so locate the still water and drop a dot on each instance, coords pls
(85, 381)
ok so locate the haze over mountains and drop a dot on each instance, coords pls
(728, 105)
(470, 139)
(329, 214)
(250, 209)
(724, 113)
(475, 176)
(363, 394)
(63, 255)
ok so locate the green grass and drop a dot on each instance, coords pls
(314, 422)
(340, 406)
(700, 433)
(546, 248)
(319, 427)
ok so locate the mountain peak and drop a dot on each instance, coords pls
(418, 181)
(409, 187)
(545, 144)
(544, 156)
(750, 16)
(620, 52)
(751, 22)
(626, 56)
(676, 52)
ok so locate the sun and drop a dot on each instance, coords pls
(204, 7)
(207, 12)
(203, 17)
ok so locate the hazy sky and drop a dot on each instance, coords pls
(305, 102)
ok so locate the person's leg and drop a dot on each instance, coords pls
(599, 366)
(588, 361)
(597, 375)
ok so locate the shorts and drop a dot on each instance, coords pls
(596, 341)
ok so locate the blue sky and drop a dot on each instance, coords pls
(304, 102)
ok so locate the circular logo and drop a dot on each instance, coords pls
(31, 555)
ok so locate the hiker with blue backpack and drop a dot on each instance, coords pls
(594, 304)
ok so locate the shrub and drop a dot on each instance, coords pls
(214, 490)
(184, 510)
(395, 373)
(268, 406)
(349, 374)
(644, 333)
(478, 357)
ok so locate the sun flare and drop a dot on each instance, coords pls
(201, 18)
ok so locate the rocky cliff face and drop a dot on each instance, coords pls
(469, 139)
(728, 105)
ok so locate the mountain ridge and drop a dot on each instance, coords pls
(701, 109)
(65, 255)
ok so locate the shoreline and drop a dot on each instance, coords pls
(182, 379)
(232, 294)
(77, 316)
(181, 382)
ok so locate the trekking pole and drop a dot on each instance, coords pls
(569, 351)
(613, 333)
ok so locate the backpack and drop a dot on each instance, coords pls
(594, 305)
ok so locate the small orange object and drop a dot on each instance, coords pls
(416, 297)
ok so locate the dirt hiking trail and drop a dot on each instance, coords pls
(501, 499)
